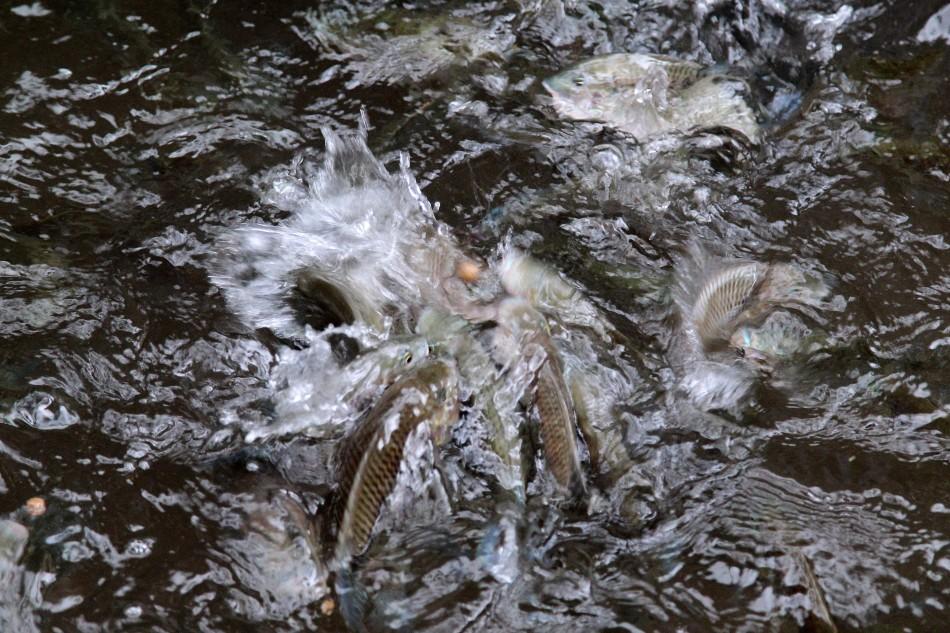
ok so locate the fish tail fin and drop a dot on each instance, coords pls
(353, 599)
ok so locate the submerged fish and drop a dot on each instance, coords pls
(410, 47)
(646, 95)
(556, 417)
(370, 458)
(495, 395)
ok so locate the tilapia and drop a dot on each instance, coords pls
(409, 47)
(494, 393)
(598, 424)
(525, 330)
(646, 95)
(495, 396)
(370, 458)
(717, 297)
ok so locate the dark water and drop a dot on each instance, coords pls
(133, 134)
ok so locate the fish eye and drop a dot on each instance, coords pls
(578, 81)
(408, 358)
(740, 352)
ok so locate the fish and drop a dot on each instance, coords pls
(522, 275)
(717, 297)
(495, 396)
(406, 49)
(379, 367)
(494, 393)
(646, 95)
(557, 422)
(598, 423)
(369, 458)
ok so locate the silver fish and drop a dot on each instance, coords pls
(370, 458)
(646, 95)
(599, 425)
(496, 396)
(495, 393)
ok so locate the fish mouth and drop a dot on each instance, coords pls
(551, 85)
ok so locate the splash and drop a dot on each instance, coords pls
(353, 227)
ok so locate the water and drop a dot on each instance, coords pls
(135, 137)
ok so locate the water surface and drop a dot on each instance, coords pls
(134, 135)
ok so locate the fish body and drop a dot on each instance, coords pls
(557, 421)
(747, 307)
(370, 458)
(646, 95)
(495, 393)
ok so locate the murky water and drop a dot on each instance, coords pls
(136, 136)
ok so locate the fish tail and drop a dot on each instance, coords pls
(353, 599)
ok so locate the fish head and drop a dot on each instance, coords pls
(439, 326)
(580, 92)
(401, 354)
(744, 342)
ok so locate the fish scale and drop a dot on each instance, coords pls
(557, 420)
(557, 425)
(369, 461)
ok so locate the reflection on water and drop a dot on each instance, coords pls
(136, 137)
